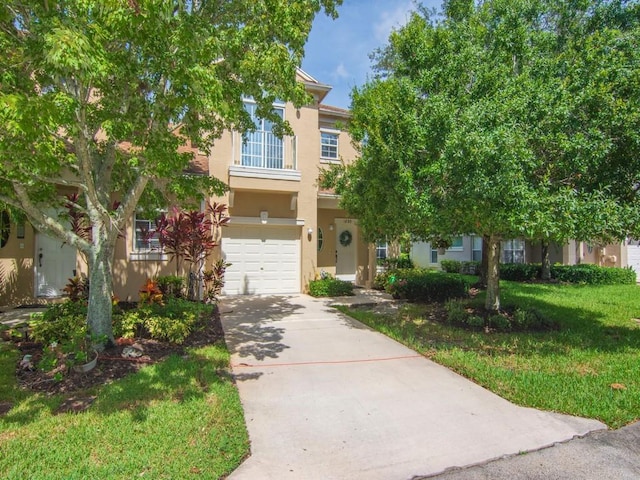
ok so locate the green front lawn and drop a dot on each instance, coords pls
(589, 368)
(181, 418)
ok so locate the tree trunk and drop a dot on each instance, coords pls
(482, 280)
(101, 290)
(492, 302)
(546, 264)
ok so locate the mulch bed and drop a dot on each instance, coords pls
(111, 365)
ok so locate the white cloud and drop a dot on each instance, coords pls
(341, 71)
(389, 20)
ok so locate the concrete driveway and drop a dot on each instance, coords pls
(327, 398)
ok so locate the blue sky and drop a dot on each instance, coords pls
(337, 52)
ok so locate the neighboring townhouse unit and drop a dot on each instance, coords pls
(283, 231)
(469, 247)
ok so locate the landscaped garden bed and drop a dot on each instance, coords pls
(170, 411)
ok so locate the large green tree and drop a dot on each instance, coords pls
(504, 118)
(98, 96)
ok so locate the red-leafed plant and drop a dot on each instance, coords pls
(173, 235)
(214, 281)
(189, 237)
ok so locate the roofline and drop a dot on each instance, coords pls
(338, 113)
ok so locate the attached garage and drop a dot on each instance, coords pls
(633, 256)
(264, 259)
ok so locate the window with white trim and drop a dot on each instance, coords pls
(145, 237)
(381, 250)
(262, 148)
(329, 145)
(456, 244)
(320, 239)
(512, 251)
(476, 248)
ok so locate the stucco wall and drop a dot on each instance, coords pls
(16, 268)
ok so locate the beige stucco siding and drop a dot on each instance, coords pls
(16, 268)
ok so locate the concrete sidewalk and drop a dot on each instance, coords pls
(327, 398)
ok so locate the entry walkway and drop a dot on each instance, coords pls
(327, 398)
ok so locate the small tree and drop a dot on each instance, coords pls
(99, 96)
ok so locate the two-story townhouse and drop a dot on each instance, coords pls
(283, 232)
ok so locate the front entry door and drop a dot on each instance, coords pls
(55, 263)
(346, 249)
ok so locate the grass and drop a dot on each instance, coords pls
(589, 368)
(181, 418)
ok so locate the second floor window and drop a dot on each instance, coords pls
(261, 148)
(329, 145)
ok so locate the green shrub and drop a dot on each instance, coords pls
(173, 321)
(456, 266)
(456, 312)
(171, 285)
(60, 323)
(470, 267)
(394, 263)
(330, 287)
(475, 321)
(520, 272)
(499, 322)
(593, 274)
(381, 280)
(451, 266)
(522, 319)
(421, 285)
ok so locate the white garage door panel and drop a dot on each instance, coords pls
(633, 257)
(265, 260)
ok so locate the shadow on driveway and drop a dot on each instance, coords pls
(251, 327)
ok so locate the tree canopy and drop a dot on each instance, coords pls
(100, 96)
(504, 118)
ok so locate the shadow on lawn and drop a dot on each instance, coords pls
(579, 327)
(179, 379)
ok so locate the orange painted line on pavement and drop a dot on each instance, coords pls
(337, 362)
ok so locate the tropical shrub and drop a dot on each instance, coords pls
(60, 323)
(214, 281)
(172, 321)
(150, 293)
(77, 288)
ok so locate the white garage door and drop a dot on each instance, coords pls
(265, 260)
(633, 257)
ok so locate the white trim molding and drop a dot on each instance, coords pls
(269, 173)
(148, 256)
(284, 222)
